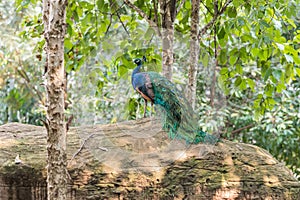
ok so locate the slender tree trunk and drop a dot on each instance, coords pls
(54, 16)
(168, 15)
(214, 73)
(194, 54)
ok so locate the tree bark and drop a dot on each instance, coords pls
(54, 16)
(194, 54)
(168, 15)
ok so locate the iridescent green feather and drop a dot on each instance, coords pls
(178, 117)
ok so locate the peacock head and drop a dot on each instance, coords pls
(138, 61)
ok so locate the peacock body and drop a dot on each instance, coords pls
(178, 117)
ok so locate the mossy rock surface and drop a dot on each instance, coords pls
(136, 160)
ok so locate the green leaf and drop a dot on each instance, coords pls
(232, 60)
(296, 59)
(257, 101)
(270, 102)
(243, 85)
(223, 57)
(280, 87)
(224, 71)
(188, 5)
(269, 90)
(255, 52)
(68, 44)
(223, 42)
(239, 69)
(232, 12)
(100, 4)
(289, 72)
(122, 70)
(238, 81)
(277, 74)
(263, 24)
(267, 74)
(265, 55)
(237, 3)
(221, 33)
(251, 84)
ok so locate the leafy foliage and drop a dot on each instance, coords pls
(20, 94)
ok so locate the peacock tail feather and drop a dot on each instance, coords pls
(178, 117)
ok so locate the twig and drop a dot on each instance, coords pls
(81, 147)
(236, 130)
(110, 21)
(144, 15)
(242, 128)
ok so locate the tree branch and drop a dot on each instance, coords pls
(143, 15)
(242, 128)
(214, 19)
(236, 130)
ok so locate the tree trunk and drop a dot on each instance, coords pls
(54, 15)
(194, 54)
(168, 15)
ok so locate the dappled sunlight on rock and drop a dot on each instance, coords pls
(136, 160)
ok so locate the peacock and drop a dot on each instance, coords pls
(178, 117)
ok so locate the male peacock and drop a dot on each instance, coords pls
(178, 117)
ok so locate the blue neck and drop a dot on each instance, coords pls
(136, 70)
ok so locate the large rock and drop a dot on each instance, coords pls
(136, 160)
